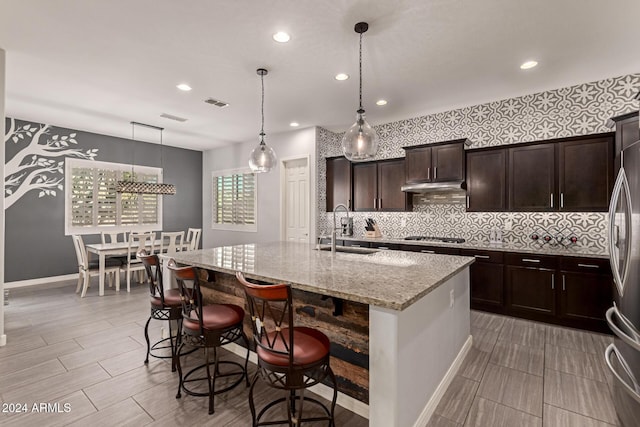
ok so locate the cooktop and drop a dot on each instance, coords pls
(436, 239)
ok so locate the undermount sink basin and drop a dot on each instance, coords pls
(349, 249)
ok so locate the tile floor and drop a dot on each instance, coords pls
(89, 352)
(521, 373)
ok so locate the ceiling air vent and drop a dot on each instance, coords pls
(217, 103)
(172, 117)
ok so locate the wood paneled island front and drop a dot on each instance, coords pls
(398, 321)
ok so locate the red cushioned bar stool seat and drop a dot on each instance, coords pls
(165, 305)
(290, 358)
(208, 327)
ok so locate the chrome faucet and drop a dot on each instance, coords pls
(335, 229)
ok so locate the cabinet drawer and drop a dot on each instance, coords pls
(532, 260)
(385, 246)
(585, 265)
(484, 256)
(356, 243)
(431, 249)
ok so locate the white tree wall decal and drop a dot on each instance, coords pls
(38, 166)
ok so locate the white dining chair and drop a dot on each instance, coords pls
(193, 238)
(137, 242)
(109, 237)
(87, 269)
(171, 242)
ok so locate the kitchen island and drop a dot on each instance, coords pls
(418, 314)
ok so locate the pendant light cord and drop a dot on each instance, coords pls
(133, 155)
(360, 65)
(262, 110)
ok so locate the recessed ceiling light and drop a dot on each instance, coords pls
(294, 124)
(528, 64)
(381, 102)
(183, 86)
(281, 37)
(342, 76)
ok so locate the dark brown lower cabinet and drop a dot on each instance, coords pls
(486, 279)
(487, 286)
(531, 292)
(584, 299)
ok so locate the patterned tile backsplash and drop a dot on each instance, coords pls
(576, 110)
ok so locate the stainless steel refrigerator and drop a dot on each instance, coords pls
(623, 356)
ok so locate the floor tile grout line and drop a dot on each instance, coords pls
(142, 407)
(582, 415)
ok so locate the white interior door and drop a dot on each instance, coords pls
(296, 206)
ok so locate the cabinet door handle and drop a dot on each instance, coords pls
(424, 251)
(588, 265)
(467, 202)
(356, 246)
(435, 173)
(562, 200)
(383, 247)
(564, 287)
(530, 260)
(380, 203)
(375, 203)
(551, 197)
(482, 256)
(429, 173)
(553, 281)
(349, 203)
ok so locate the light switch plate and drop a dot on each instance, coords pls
(451, 298)
(508, 224)
(403, 222)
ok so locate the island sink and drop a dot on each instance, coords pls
(349, 249)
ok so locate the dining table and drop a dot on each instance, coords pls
(102, 250)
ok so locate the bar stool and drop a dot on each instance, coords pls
(209, 327)
(289, 358)
(165, 305)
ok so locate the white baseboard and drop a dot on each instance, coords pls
(40, 281)
(431, 405)
(347, 402)
(3, 340)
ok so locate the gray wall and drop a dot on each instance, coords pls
(35, 240)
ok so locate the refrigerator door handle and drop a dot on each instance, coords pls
(631, 391)
(621, 185)
(630, 335)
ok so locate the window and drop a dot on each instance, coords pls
(92, 204)
(234, 200)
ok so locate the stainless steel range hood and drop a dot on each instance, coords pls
(436, 187)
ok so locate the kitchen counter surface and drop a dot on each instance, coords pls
(388, 279)
(576, 251)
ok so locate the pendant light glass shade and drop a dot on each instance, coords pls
(262, 158)
(360, 142)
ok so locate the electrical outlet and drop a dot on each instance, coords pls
(403, 222)
(508, 224)
(451, 298)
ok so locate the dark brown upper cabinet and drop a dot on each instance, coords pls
(439, 162)
(338, 182)
(487, 180)
(532, 178)
(376, 186)
(627, 132)
(585, 174)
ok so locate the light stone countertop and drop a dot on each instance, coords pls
(575, 251)
(389, 279)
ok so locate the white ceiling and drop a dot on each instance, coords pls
(96, 65)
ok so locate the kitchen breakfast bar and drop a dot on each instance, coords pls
(399, 322)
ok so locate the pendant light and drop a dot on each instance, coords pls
(133, 186)
(360, 142)
(262, 158)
